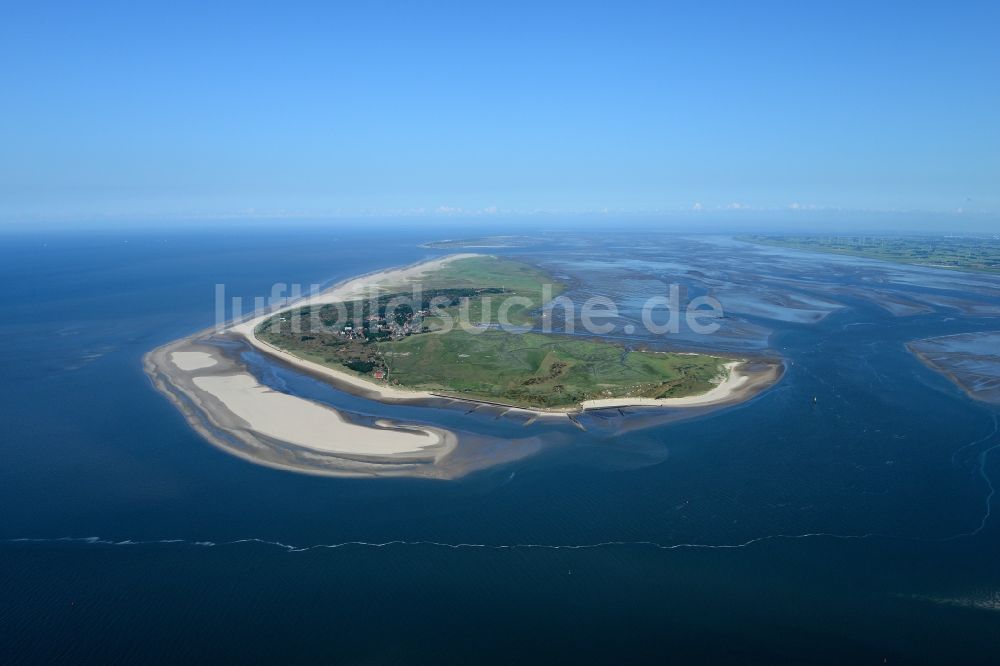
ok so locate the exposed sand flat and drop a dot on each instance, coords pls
(191, 360)
(306, 423)
(726, 390)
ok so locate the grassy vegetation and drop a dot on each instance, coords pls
(966, 253)
(525, 369)
(541, 370)
(512, 278)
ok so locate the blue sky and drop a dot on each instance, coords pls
(123, 111)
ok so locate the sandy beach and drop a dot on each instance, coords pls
(233, 410)
(355, 288)
(728, 387)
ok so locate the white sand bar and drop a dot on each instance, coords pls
(189, 361)
(307, 423)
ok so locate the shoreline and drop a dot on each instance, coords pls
(723, 391)
(727, 391)
(325, 442)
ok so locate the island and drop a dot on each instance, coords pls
(408, 347)
(465, 329)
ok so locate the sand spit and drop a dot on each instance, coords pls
(230, 408)
(306, 423)
(208, 381)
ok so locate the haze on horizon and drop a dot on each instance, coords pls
(805, 111)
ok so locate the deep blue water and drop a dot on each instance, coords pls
(777, 531)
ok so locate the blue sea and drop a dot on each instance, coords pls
(844, 516)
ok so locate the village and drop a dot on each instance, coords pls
(352, 340)
(404, 322)
(382, 327)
